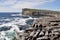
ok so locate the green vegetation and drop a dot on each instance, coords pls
(37, 10)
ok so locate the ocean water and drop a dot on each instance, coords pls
(11, 21)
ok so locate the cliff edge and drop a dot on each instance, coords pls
(37, 12)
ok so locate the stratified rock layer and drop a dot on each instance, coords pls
(38, 12)
(44, 29)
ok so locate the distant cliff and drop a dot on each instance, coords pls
(37, 12)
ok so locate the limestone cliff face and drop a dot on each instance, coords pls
(36, 12)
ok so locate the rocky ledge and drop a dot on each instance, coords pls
(42, 29)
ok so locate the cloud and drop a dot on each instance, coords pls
(30, 3)
(17, 5)
(7, 2)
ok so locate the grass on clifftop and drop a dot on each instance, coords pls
(38, 10)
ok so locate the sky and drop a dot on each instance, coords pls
(18, 5)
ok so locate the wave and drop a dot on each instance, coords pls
(14, 21)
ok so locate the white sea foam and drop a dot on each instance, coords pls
(4, 36)
(13, 24)
(16, 14)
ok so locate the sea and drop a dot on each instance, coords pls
(9, 21)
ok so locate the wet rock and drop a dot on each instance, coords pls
(43, 29)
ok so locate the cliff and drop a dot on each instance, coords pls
(37, 12)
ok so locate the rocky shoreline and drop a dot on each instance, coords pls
(42, 29)
(45, 28)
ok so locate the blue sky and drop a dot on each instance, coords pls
(17, 5)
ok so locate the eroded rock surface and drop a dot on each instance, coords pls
(45, 28)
